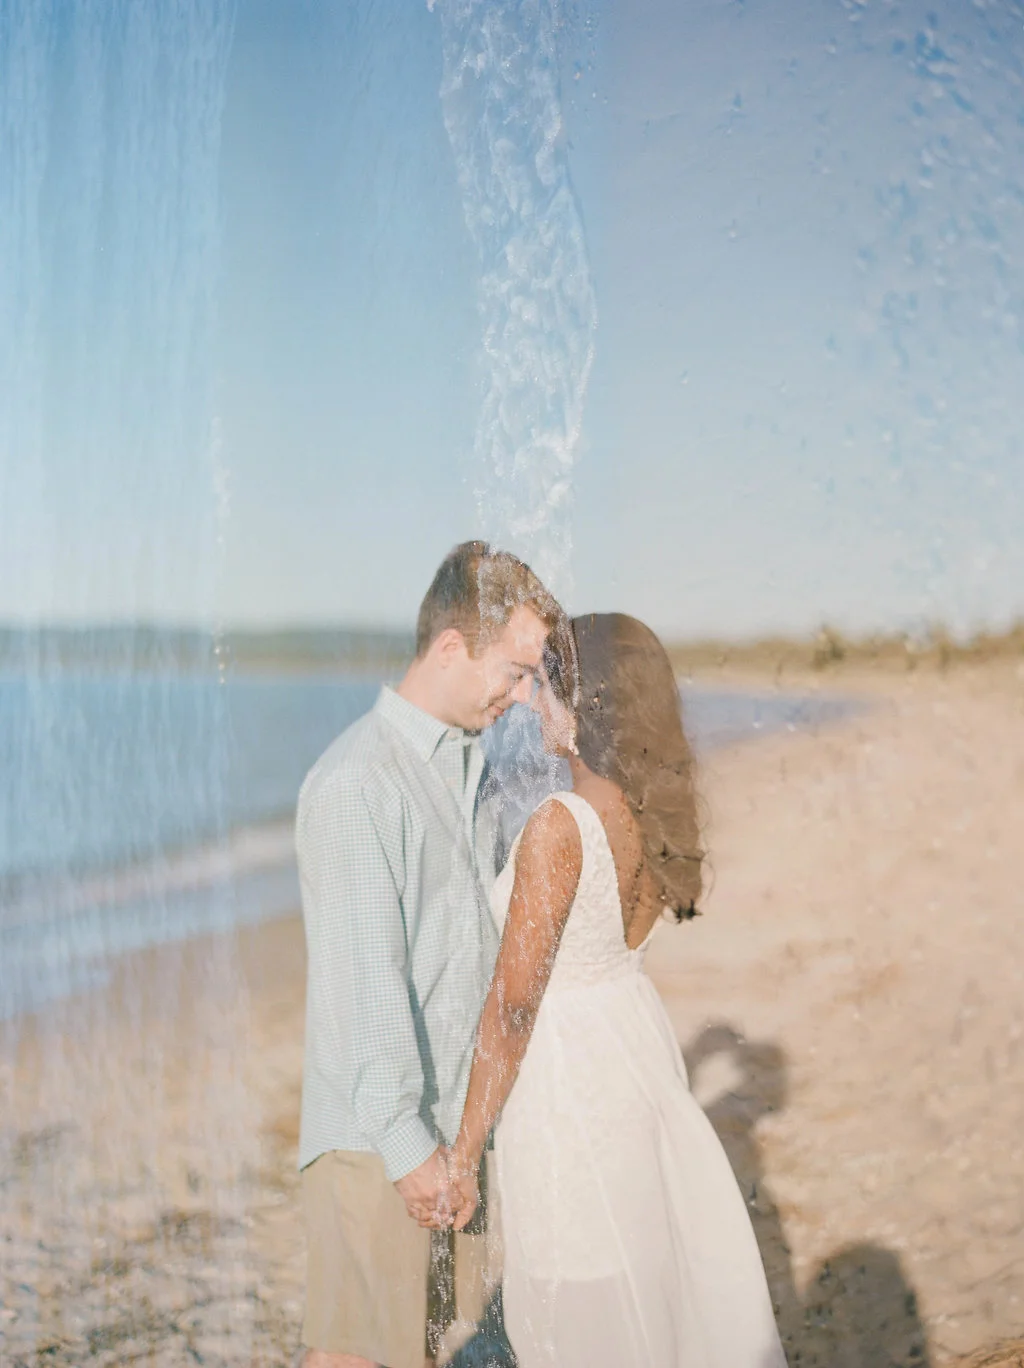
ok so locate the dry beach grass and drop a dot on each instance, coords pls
(851, 1008)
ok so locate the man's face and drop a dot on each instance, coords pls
(487, 684)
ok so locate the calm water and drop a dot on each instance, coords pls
(116, 831)
(99, 770)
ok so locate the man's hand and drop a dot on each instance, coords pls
(426, 1192)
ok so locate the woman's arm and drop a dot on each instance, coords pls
(547, 875)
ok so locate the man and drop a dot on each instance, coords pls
(395, 858)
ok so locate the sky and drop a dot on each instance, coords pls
(256, 369)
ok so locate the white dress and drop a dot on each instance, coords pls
(627, 1243)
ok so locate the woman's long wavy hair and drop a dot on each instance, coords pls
(615, 675)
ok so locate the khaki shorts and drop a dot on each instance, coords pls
(370, 1272)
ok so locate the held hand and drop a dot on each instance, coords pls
(464, 1180)
(425, 1192)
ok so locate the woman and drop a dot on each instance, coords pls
(627, 1242)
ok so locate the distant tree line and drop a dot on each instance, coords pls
(144, 646)
(377, 650)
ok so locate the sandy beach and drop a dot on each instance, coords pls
(860, 965)
(851, 1006)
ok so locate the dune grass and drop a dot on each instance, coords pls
(830, 651)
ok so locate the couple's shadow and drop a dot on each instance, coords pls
(858, 1309)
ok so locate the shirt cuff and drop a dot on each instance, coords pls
(405, 1146)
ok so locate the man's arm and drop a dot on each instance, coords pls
(358, 982)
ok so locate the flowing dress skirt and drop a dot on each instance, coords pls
(627, 1242)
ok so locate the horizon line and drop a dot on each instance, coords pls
(935, 629)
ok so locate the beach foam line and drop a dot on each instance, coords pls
(73, 948)
(245, 851)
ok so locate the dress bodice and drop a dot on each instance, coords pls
(593, 947)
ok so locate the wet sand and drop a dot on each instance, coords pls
(850, 1005)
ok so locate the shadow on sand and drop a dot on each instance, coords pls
(859, 1310)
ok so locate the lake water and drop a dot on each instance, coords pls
(137, 809)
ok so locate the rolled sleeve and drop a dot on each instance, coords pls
(360, 1013)
(405, 1146)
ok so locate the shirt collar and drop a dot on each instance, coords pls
(422, 730)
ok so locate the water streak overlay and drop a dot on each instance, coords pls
(502, 109)
(110, 133)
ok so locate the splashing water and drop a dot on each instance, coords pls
(501, 99)
(502, 109)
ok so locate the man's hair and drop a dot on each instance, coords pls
(476, 590)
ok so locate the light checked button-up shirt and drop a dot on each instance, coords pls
(395, 859)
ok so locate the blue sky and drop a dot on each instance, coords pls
(805, 224)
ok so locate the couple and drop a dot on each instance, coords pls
(626, 1243)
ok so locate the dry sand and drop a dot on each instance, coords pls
(850, 1005)
(865, 938)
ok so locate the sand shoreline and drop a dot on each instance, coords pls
(850, 1006)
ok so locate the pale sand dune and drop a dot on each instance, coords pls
(865, 938)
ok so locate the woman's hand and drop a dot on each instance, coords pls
(464, 1186)
(425, 1192)
(454, 1198)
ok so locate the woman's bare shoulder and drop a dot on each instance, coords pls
(551, 848)
(551, 828)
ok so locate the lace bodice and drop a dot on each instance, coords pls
(593, 948)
